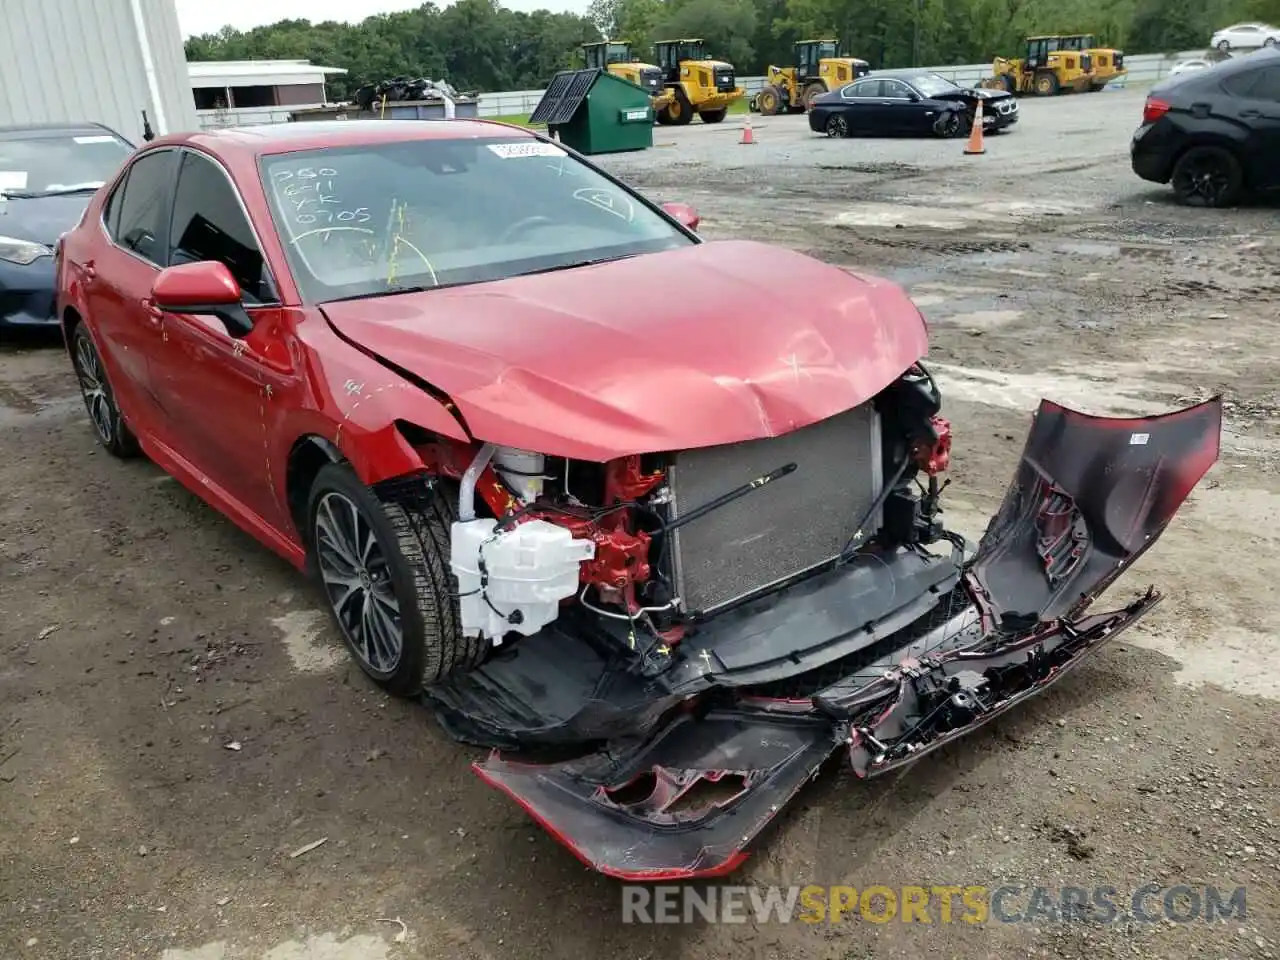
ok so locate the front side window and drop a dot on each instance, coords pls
(45, 163)
(894, 90)
(138, 215)
(376, 218)
(209, 224)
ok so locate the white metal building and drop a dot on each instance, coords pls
(94, 60)
(239, 92)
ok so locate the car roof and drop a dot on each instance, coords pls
(904, 73)
(251, 142)
(32, 130)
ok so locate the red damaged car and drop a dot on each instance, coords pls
(656, 519)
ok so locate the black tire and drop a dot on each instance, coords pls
(713, 116)
(412, 539)
(836, 126)
(1224, 46)
(769, 100)
(99, 398)
(1207, 177)
(1046, 84)
(1269, 42)
(680, 111)
(811, 93)
(952, 123)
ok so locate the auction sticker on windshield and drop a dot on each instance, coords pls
(537, 148)
(13, 179)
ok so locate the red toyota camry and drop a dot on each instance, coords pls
(587, 483)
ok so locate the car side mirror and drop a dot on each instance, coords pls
(683, 213)
(206, 287)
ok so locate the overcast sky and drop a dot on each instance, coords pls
(209, 16)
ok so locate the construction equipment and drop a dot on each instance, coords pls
(818, 69)
(1046, 70)
(1108, 63)
(698, 83)
(616, 57)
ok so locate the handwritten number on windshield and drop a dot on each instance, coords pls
(308, 196)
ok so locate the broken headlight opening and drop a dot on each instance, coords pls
(729, 617)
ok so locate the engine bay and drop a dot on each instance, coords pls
(648, 542)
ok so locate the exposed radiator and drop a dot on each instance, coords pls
(789, 526)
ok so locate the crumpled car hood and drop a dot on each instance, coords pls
(709, 344)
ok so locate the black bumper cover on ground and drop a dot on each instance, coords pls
(686, 793)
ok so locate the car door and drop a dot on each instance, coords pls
(899, 112)
(219, 391)
(859, 105)
(118, 277)
(1255, 103)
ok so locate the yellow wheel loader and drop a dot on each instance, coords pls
(698, 84)
(1046, 70)
(1108, 63)
(616, 57)
(818, 69)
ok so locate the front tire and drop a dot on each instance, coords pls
(680, 110)
(1207, 177)
(383, 565)
(713, 116)
(99, 398)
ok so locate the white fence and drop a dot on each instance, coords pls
(1144, 68)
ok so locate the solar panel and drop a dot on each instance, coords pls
(563, 96)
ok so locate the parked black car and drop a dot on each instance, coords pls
(909, 103)
(47, 175)
(1215, 133)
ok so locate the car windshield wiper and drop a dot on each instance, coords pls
(33, 194)
(393, 291)
(575, 265)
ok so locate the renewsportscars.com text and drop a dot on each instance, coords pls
(941, 904)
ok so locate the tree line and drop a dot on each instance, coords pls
(479, 45)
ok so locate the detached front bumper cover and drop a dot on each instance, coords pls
(1091, 494)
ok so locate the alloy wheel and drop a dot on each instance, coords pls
(93, 387)
(836, 127)
(1205, 179)
(357, 581)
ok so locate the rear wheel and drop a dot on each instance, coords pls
(99, 398)
(1269, 42)
(1225, 46)
(837, 126)
(1046, 84)
(713, 116)
(384, 567)
(768, 99)
(1207, 177)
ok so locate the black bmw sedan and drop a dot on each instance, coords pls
(47, 175)
(896, 103)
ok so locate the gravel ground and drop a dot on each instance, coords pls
(176, 718)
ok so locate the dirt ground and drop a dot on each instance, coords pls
(176, 717)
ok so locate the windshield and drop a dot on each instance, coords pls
(932, 84)
(378, 218)
(59, 161)
(618, 53)
(826, 50)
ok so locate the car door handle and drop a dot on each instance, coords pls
(154, 313)
(1251, 114)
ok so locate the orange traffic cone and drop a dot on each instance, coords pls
(747, 135)
(974, 146)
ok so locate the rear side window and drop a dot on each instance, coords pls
(138, 212)
(1267, 86)
(209, 224)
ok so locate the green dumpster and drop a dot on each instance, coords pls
(594, 111)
